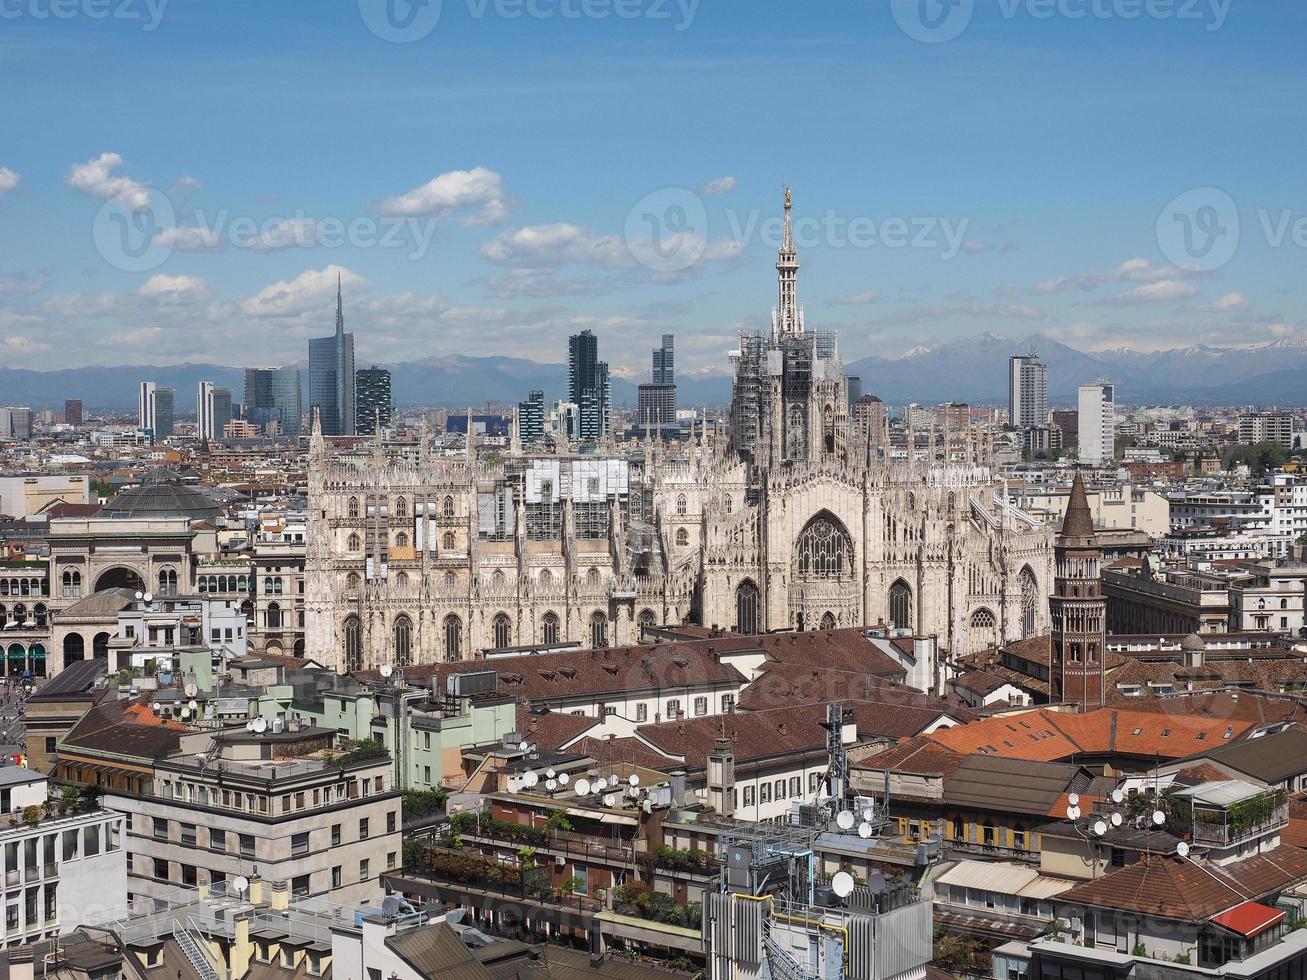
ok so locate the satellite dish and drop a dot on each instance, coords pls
(523, 746)
(845, 820)
(532, 779)
(1182, 849)
(260, 725)
(185, 712)
(549, 773)
(1100, 828)
(1117, 796)
(192, 690)
(387, 670)
(249, 726)
(634, 780)
(864, 831)
(868, 814)
(551, 784)
(583, 787)
(1074, 799)
(139, 595)
(1159, 817)
(842, 884)
(564, 778)
(877, 884)
(1073, 813)
(1116, 820)
(193, 705)
(240, 885)
(148, 598)
(610, 799)
(156, 706)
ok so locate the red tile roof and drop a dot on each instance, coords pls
(1249, 919)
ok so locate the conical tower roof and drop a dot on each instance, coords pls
(1078, 524)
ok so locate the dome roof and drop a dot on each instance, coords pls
(161, 494)
(1193, 642)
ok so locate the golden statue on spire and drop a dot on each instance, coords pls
(787, 198)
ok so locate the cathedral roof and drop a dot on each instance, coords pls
(1078, 525)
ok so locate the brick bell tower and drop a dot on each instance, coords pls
(1078, 608)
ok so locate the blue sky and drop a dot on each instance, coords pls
(494, 184)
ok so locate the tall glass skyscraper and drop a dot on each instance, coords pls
(331, 377)
(374, 400)
(273, 395)
(588, 386)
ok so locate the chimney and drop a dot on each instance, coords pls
(678, 787)
(780, 729)
(20, 963)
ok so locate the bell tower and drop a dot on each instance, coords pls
(1078, 608)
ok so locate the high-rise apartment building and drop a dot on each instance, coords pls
(212, 410)
(372, 389)
(656, 401)
(1027, 391)
(15, 422)
(853, 385)
(531, 418)
(155, 409)
(273, 397)
(73, 411)
(1274, 427)
(145, 405)
(222, 409)
(1097, 423)
(331, 377)
(588, 385)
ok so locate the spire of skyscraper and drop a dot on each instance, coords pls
(340, 308)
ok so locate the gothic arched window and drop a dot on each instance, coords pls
(401, 507)
(352, 581)
(599, 630)
(983, 619)
(681, 505)
(497, 580)
(453, 637)
(448, 542)
(354, 542)
(827, 621)
(353, 508)
(1029, 603)
(502, 627)
(401, 540)
(682, 537)
(900, 605)
(448, 509)
(353, 643)
(647, 620)
(274, 616)
(546, 579)
(403, 640)
(824, 549)
(746, 607)
(450, 581)
(726, 503)
(592, 579)
(549, 628)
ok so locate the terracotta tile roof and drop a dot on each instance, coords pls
(1052, 735)
(1243, 706)
(921, 755)
(846, 649)
(784, 684)
(108, 727)
(625, 750)
(552, 729)
(1295, 832)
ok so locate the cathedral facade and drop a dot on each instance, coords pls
(789, 522)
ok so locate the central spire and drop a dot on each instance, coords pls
(788, 319)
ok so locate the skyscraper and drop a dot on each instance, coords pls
(164, 412)
(73, 411)
(221, 410)
(272, 395)
(16, 422)
(374, 400)
(588, 385)
(1097, 423)
(531, 418)
(331, 376)
(664, 362)
(853, 385)
(204, 427)
(1027, 391)
(145, 405)
(656, 401)
(154, 409)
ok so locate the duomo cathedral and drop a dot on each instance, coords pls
(786, 519)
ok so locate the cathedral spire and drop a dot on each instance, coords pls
(787, 319)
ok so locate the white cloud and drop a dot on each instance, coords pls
(283, 233)
(1231, 303)
(188, 238)
(977, 247)
(481, 190)
(1130, 271)
(722, 185)
(175, 289)
(855, 299)
(540, 246)
(96, 178)
(1156, 293)
(312, 291)
(186, 183)
(8, 180)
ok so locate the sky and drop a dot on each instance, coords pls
(187, 180)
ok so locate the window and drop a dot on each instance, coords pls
(188, 834)
(160, 828)
(748, 796)
(390, 860)
(51, 744)
(353, 509)
(900, 605)
(673, 709)
(549, 624)
(796, 786)
(299, 843)
(700, 706)
(453, 637)
(813, 777)
(403, 640)
(824, 549)
(681, 506)
(746, 607)
(764, 793)
(335, 876)
(299, 888)
(217, 839)
(503, 631)
(599, 630)
(353, 643)
(448, 541)
(682, 537)
(189, 876)
(363, 829)
(247, 846)
(780, 790)
(161, 869)
(641, 712)
(335, 835)
(390, 822)
(364, 870)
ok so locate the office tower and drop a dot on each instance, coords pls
(222, 413)
(588, 385)
(664, 362)
(1097, 423)
(1027, 391)
(145, 406)
(531, 418)
(73, 411)
(853, 386)
(164, 412)
(1067, 422)
(331, 376)
(15, 422)
(154, 410)
(204, 427)
(372, 387)
(272, 396)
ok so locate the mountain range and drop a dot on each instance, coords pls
(969, 370)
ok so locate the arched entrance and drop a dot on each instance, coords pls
(120, 577)
(822, 574)
(746, 607)
(74, 648)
